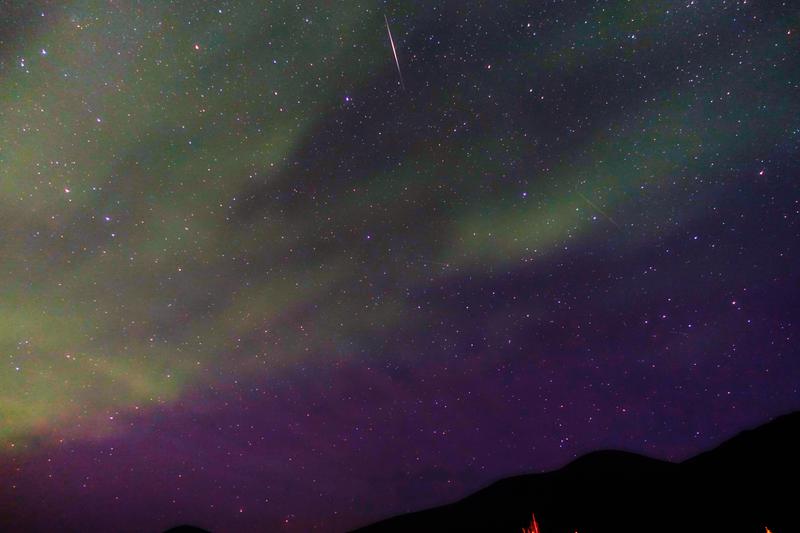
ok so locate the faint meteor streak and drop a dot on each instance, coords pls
(431, 261)
(394, 51)
(596, 208)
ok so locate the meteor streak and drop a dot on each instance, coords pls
(592, 204)
(394, 51)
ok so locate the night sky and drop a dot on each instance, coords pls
(252, 282)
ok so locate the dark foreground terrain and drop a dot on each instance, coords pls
(747, 484)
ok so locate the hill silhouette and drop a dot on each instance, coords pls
(746, 484)
(186, 529)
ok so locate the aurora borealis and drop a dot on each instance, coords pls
(251, 282)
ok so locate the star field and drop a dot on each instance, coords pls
(254, 280)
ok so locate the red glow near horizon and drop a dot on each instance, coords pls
(534, 527)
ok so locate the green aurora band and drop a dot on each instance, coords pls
(131, 132)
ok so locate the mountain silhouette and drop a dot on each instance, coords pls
(747, 484)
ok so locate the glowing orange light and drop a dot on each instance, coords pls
(533, 528)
